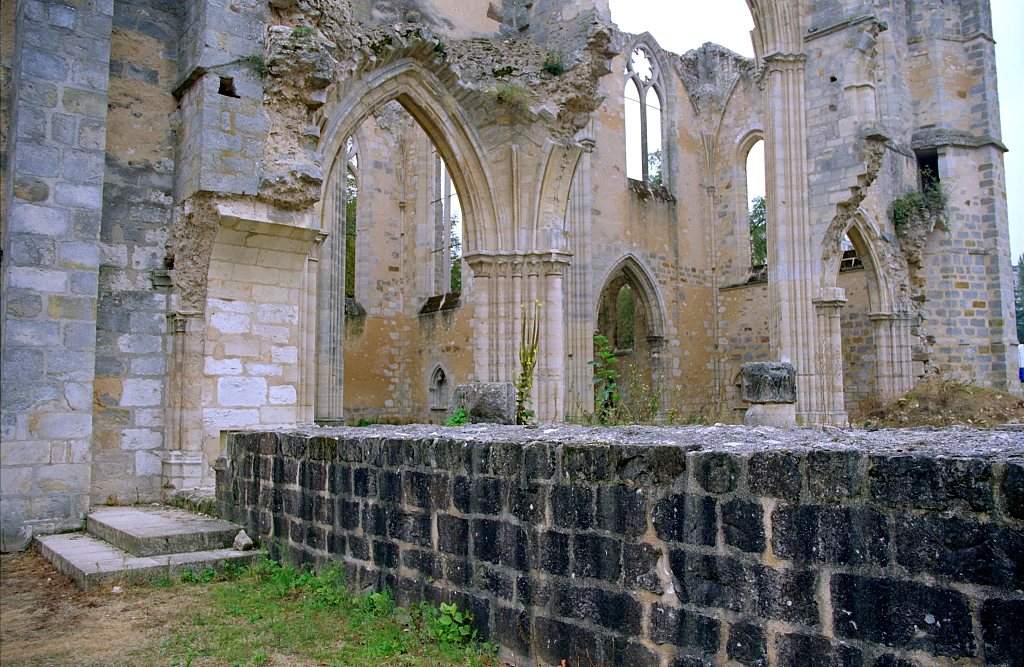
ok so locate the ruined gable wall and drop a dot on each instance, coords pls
(666, 235)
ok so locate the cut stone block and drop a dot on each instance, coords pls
(156, 530)
(486, 402)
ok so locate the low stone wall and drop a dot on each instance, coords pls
(669, 547)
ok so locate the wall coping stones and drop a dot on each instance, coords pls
(994, 445)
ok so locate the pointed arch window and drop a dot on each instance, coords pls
(645, 157)
(349, 201)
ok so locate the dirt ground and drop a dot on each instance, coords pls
(46, 620)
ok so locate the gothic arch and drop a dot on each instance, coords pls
(647, 292)
(442, 118)
(866, 237)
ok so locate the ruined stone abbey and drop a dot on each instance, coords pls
(220, 214)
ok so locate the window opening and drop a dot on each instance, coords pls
(349, 201)
(645, 160)
(928, 168)
(439, 390)
(850, 259)
(448, 231)
(757, 208)
(227, 87)
(625, 319)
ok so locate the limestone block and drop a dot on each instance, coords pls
(283, 395)
(768, 382)
(242, 391)
(230, 323)
(285, 355)
(219, 367)
(140, 439)
(486, 402)
(143, 393)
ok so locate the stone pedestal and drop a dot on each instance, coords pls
(486, 402)
(771, 387)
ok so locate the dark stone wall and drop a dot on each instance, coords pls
(661, 554)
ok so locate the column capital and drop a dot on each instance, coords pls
(830, 297)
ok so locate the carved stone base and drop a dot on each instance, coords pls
(779, 415)
(183, 470)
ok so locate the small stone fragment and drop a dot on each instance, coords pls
(243, 542)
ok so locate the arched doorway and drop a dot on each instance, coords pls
(630, 327)
(405, 197)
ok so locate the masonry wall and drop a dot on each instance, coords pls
(58, 88)
(131, 326)
(708, 547)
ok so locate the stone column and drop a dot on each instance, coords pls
(551, 406)
(891, 332)
(59, 84)
(183, 459)
(330, 353)
(792, 272)
(829, 306)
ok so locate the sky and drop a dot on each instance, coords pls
(681, 25)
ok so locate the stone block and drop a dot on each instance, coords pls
(572, 506)
(838, 535)
(747, 645)
(716, 472)
(768, 382)
(685, 518)
(774, 474)
(961, 549)
(902, 614)
(486, 402)
(283, 395)
(775, 415)
(925, 483)
(683, 628)
(141, 393)
(39, 280)
(596, 557)
(85, 103)
(743, 525)
(1001, 623)
(61, 425)
(797, 650)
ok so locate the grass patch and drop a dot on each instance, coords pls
(271, 613)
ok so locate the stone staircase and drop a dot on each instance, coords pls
(143, 543)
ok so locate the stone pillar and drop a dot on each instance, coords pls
(829, 306)
(551, 406)
(183, 458)
(792, 272)
(509, 286)
(659, 378)
(330, 352)
(891, 333)
(59, 85)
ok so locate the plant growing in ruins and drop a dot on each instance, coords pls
(606, 380)
(457, 418)
(759, 232)
(448, 625)
(514, 96)
(927, 205)
(528, 346)
(554, 63)
(257, 63)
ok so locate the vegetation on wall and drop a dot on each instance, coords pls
(351, 197)
(606, 380)
(759, 232)
(530, 343)
(926, 205)
(554, 63)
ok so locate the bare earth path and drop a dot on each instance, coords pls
(46, 620)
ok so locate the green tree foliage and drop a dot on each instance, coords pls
(654, 168)
(351, 196)
(625, 325)
(606, 380)
(759, 232)
(456, 255)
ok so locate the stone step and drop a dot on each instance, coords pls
(92, 562)
(153, 530)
